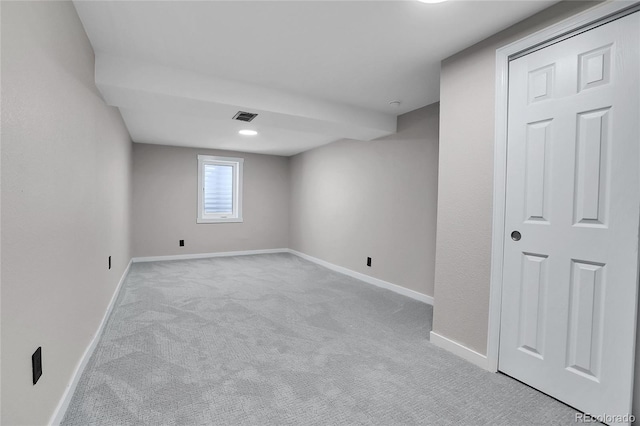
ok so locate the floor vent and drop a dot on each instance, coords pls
(244, 116)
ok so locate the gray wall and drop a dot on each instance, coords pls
(353, 199)
(165, 181)
(66, 166)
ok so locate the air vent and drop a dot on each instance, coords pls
(244, 116)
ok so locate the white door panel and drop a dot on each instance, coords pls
(573, 192)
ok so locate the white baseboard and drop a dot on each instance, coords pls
(61, 410)
(207, 255)
(366, 278)
(460, 350)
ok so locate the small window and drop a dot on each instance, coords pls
(219, 189)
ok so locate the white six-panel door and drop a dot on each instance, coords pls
(573, 193)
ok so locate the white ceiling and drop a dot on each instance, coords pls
(315, 71)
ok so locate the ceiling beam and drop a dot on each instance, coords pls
(133, 84)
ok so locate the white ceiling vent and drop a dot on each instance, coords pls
(244, 116)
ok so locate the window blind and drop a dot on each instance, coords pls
(218, 189)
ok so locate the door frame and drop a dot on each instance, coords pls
(581, 22)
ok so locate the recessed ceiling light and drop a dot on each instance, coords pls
(395, 104)
(431, 1)
(248, 132)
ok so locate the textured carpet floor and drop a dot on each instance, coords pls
(276, 340)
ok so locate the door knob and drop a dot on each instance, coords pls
(515, 236)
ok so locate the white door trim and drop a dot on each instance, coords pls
(503, 54)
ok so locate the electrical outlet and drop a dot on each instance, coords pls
(368, 261)
(181, 243)
(109, 262)
(36, 364)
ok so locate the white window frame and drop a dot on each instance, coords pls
(237, 164)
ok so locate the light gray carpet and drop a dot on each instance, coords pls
(276, 340)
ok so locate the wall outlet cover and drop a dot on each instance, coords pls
(36, 364)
